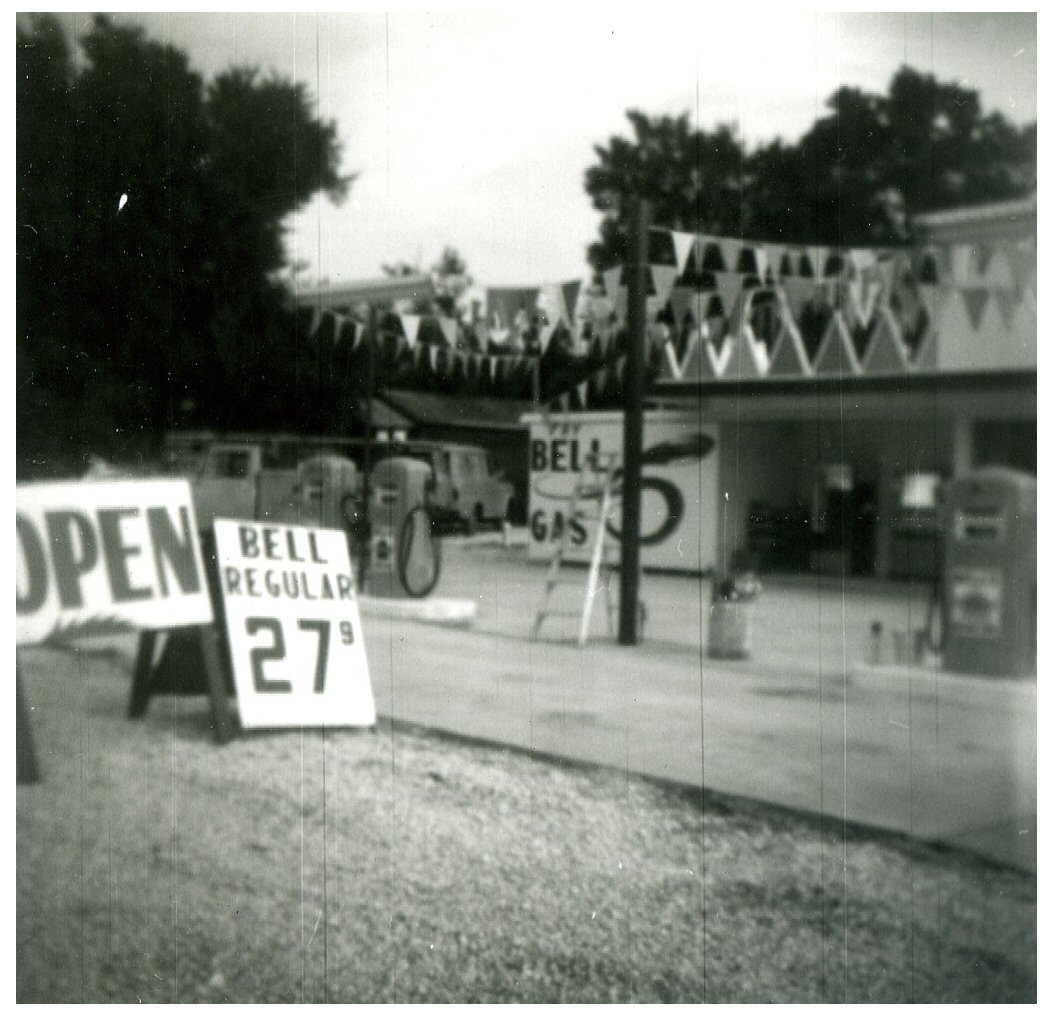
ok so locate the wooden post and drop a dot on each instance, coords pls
(364, 549)
(216, 681)
(144, 660)
(197, 648)
(26, 767)
(633, 431)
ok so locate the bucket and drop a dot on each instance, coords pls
(729, 635)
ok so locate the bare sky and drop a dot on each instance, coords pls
(475, 129)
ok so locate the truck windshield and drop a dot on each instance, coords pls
(232, 463)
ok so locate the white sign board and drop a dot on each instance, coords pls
(104, 556)
(293, 626)
(679, 497)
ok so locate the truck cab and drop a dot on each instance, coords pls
(254, 480)
(465, 492)
(226, 483)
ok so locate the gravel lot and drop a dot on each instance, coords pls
(401, 866)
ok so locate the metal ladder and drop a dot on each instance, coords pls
(595, 483)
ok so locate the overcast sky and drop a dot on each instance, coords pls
(475, 129)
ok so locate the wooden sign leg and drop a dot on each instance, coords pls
(26, 767)
(141, 675)
(216, 680)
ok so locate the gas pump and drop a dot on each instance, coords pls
(404, 559)
(328, 488)
(988, 588)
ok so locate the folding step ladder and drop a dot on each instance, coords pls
(595, 484)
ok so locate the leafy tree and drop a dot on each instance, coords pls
(692, 177)
(854, 178)
(151, 210)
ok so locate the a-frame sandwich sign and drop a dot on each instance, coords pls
(97, 558)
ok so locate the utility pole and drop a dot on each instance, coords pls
(364, 551)
(633, 430)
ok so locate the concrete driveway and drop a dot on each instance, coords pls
(806, 722)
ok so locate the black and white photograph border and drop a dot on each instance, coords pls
(526, 506)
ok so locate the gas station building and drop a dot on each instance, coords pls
(845, 386)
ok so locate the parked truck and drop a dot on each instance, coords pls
(317, 479)
(247, 480)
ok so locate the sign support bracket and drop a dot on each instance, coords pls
(206, 641)
(27, 770)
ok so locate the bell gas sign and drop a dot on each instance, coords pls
(679, 493)
(106, 556)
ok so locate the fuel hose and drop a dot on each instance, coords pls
(420, 553)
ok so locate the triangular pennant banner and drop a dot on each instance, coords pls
(709, 255)
(962, 264)
(887, 352)
(682, 300)
(742, 359)
(797, 291)
(729, 253)
(674, 366)
(862, 296)
(998, 274)
(774, 260)
(683, 244)
(751, 261)
(862, 260)
(836, 355)
(545, 334)
(551, 302)
(1022, 260)
(411, 324)
(925, 358)
(834, 264)
(788, 355)
(612, 280)
(570, 292)
(729, 287)
(975, 299)
(663, 278)
(449, 328)
(1007, 302)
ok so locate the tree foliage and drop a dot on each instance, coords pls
(854, 178)
(150, 208)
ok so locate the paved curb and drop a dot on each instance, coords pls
(922, 678)
(441, 611)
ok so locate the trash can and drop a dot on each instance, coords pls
(989, 583)
(731, 617)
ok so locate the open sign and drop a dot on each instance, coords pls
(105, 556)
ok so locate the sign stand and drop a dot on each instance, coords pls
(26, 767)
(188, 651)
